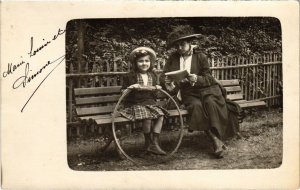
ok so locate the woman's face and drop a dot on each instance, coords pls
(143, 63)
(183, 47)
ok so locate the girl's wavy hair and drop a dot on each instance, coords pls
(139, 54)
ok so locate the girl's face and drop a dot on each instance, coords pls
(143, 63)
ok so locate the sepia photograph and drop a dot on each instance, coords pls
(174, 93)
(149, 95)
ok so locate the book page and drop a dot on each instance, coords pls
(177, 75)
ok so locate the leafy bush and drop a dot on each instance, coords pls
(98, 43)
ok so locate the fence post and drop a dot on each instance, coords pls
(80, 43)
(70, 81)
(115, 69)
(86, 68)
(211, 63)
(107, 70)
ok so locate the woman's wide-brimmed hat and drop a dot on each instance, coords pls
(142, 50)
(181, 33)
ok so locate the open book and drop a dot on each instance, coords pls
(177, 75)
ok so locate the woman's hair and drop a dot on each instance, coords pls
(137, 56)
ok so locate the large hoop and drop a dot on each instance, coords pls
(114, 114)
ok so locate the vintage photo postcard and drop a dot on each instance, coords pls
(150, 95)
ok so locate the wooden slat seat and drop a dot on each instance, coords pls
(98, 103)
(231, 89)
(97, 90)
(252, 104)
(225, 83)
(95, 100)
(94, 110)
(235, 97)
(235, 94)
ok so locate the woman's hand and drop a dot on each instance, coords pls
(184, 80)
(170, 87)
(169, 84)
(134, 86)
(192, 78)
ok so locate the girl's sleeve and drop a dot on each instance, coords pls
(126, 81)
(204, 77)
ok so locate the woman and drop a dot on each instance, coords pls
(199, 92)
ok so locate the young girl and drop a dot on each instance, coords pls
(141, 105)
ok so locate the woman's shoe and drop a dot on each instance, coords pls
(218, 145)
(219, 154)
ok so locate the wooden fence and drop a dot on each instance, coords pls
(260, 76)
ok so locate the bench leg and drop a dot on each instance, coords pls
(69, 132)
(77, 131)
(92, 128)
(107, 144)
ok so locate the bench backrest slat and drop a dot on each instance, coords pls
(95, 100)
(234, 97)
(94, 110)
(232, 89)
(234, 82)
(96, 91)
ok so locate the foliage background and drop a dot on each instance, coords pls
(92, 43)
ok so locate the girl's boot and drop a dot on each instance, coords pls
(155, 148)
(147, 141)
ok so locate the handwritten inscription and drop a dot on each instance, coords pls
(58, 61)
(33, 51)
(11, 68)
(23, 80)
(29, 75)
(60, 32)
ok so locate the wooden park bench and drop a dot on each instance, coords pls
(95, 105)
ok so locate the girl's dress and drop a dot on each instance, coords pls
(140, 105)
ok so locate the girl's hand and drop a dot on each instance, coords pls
(167, 80)
(135, 86)
(158, 87)
(123, 91)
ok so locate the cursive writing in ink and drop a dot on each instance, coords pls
(11, 68)
(58, 61)
(60, 32)
(33, 52)
(23, 80)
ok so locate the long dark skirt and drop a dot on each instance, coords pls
(208, 111)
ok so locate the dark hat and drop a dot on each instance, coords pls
(142, 50)
(182, 32)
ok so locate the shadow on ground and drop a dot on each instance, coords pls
(260, 147)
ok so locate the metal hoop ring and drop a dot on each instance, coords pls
(125, 93)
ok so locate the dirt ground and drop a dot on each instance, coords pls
(260, 147)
